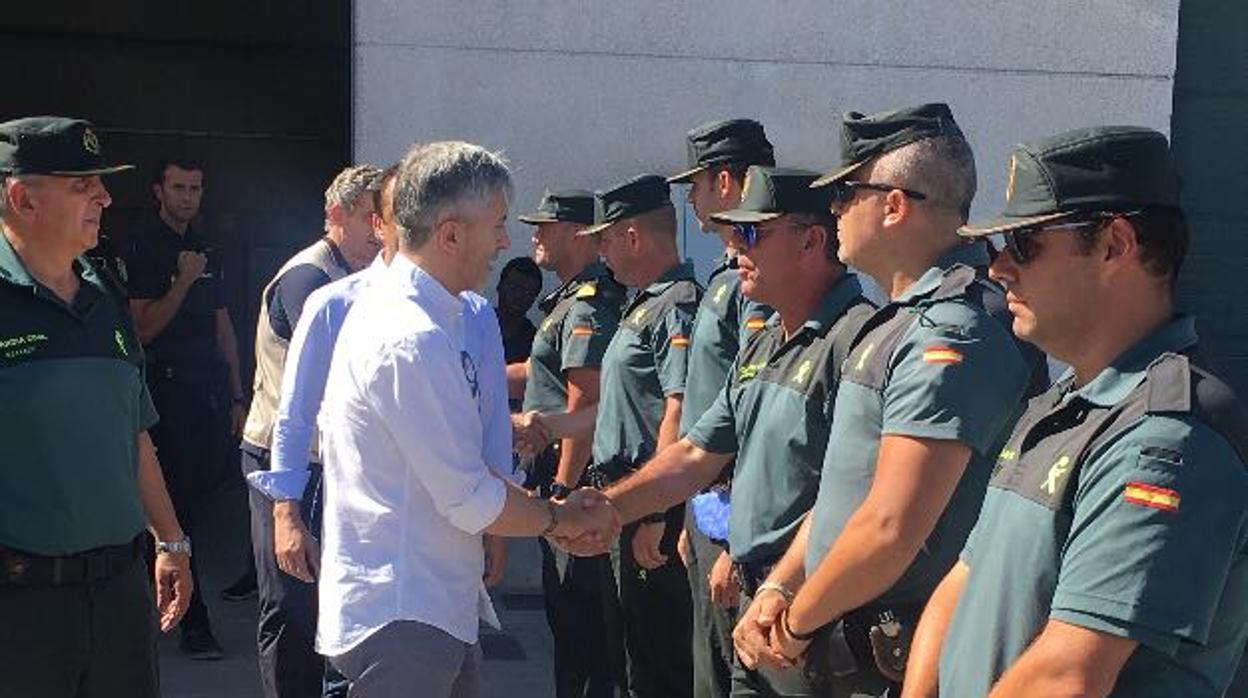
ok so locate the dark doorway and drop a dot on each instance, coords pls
(259, 92)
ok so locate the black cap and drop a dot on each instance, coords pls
(864, 136)
(52, 145)
(634, 197)
(1106, 168)
(732, 140)
(771, 192)
(567, 206)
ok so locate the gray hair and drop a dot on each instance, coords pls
(347, 187)
(435, 178)
(942, 167)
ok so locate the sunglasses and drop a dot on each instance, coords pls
(844, 191)
(750, 232)
(1021, 243)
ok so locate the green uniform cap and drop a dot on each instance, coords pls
(864, 136)
(771, 192)
(730, 140)
(1107, 168)
(52, 145)
(641, 194)
(567, 206)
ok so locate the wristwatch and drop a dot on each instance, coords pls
(182, 546)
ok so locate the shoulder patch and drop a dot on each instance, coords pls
(1146, 495)
(942, 355)
(755, 324)
(582, 331)
(679, 340)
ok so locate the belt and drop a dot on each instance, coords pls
(600, 475)
(19, 568)
(751, 574)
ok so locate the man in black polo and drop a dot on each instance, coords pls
(79, 476)
(180, 315)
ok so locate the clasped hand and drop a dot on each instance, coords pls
(530, 434)
(588, 523)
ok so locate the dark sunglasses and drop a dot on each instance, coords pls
(750, 232)
(843, 191)
(1021, 243)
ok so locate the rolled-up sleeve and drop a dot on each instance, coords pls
(303, 387)
(422, 391)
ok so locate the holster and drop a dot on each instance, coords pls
(875, 638)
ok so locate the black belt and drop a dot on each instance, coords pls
(600, 475)
(19, 568)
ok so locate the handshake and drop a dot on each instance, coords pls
(532, 431)
(587, 523)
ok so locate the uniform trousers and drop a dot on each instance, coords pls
(89, 640)
(286, 631)
(712, 625)
(655, 616)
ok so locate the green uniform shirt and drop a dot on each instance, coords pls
(645, 363)
(725, 320)
(774, 413)
(1144, 537)
(581, 317)
(74, 404)
(955, 374)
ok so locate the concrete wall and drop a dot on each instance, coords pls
(1211, 144)
(587, 93)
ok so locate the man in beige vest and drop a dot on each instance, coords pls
(289, 666)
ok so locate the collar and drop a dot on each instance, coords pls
(682, 271)
(13, 269)
(831, 306)
(337, 255)
(971, 254)
(1127, 371)
(418, 285)
(592, 272)
(726, 262)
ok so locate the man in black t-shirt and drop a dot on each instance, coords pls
(176, 298)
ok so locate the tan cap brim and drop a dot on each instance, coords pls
(536, 218)
(737, 215)
(1007, 224)
(87, 173)
(594, 229)
(685, 176)
(835, 175)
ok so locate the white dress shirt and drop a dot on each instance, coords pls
(408, 490)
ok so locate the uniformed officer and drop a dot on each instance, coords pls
(79, 476)
(643, 382)
(928, 394)
(179, 313)
(775, 411)
(562, 374)
(289, 666)
(719, 154)
(1112, 550)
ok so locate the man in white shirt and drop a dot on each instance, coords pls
(402, 552)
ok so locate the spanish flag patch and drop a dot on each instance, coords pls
(942, 355)
(582, 331)
(755, 324)
(679, 340)
(1151, 496)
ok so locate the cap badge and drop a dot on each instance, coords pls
(91, 142)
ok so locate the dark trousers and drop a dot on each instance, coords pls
(93, 640)
(712, 625)
(655, 617)
(576, 613)
(286, 632)
(191, 441)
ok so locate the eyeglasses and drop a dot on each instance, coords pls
(750, 232)
(1021, 243)
(843, 192)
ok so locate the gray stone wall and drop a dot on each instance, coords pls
(587, 93)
